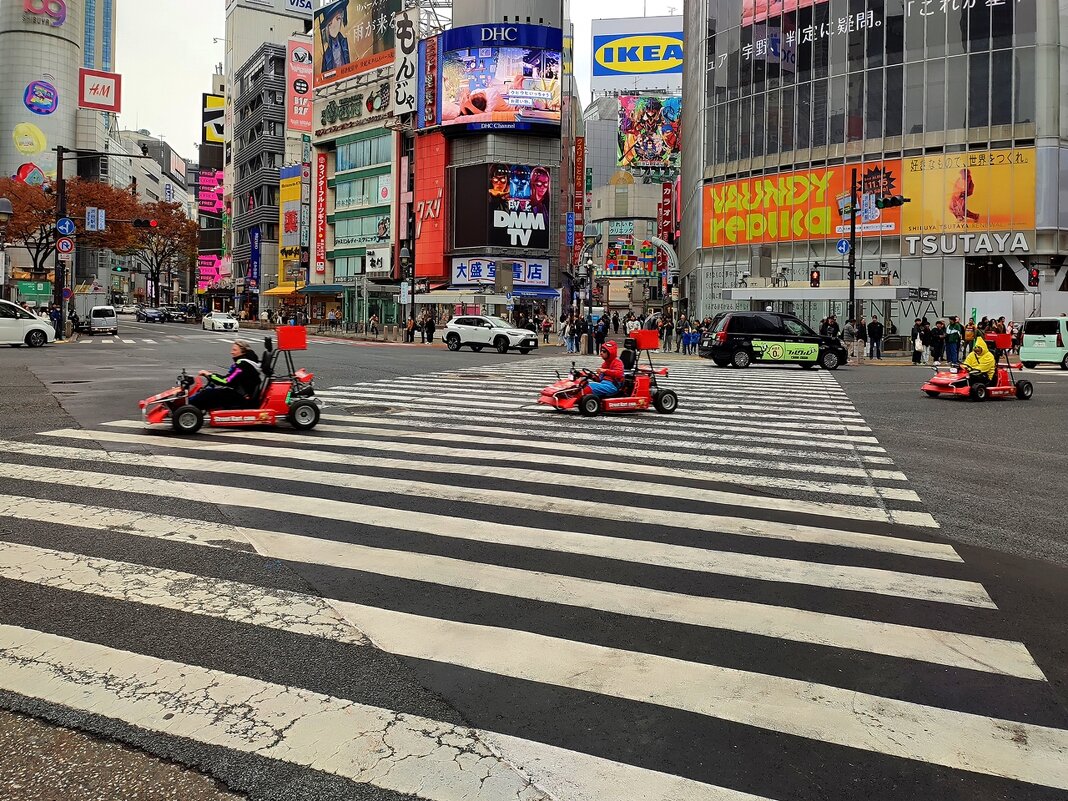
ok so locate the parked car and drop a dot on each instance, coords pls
(18, 327)
(479, 331)
(149, 315)
(126, 309)
(220, 321)
(1045, 341)
(740, 338)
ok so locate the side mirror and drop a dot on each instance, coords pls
(268, 345)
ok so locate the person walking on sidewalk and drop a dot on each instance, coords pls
(954, 335)
(667, 331)
(916, 337)
(849, 337)
(875, 338)
(862, 339)
(615, 322)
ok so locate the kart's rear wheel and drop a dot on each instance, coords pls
(452, 341)
(978, 392)
(477, 348)
(303, 415)
(741, 359)
(501, 344)
(187, 419)
(589, 405)
(666, 401)
(1024, 390)
(1030, 365)
(931, 393)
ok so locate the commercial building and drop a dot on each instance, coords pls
(497, 116)
(954, 106)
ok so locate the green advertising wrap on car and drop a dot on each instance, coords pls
(785, 351)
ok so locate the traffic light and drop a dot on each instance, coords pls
(146, 223)
(118, 268)
(814, 279)
(1032, 276)
(891, 201)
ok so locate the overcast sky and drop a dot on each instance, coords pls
(165, 53)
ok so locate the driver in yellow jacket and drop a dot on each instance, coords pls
(980, 363)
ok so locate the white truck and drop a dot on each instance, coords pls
(84, 302)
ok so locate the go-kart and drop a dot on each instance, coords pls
(954, 381)
(639, 390)
(289, 396)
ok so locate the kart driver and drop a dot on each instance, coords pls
(610, 376)
(980, 363)
(236, 388)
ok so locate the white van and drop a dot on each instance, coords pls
(18, 327)
(102, 320)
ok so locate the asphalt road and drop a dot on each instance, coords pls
(561, 607)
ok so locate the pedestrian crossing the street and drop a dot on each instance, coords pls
(448, 592)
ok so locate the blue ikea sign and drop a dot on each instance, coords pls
(637, 54)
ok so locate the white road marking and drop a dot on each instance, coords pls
(256, 717)
(908, 642)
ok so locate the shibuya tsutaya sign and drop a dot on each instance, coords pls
(976, 244)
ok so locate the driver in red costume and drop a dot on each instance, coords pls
(610, 376)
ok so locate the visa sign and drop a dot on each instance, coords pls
(637, 54)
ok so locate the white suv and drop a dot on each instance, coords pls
(480, 331)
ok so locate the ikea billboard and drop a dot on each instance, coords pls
(642, 54)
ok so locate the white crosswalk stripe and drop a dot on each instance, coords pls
(655, 602)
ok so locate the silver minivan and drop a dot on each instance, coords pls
(103, 320)
(1045, 341)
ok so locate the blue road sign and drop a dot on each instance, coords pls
(842, 247)
(570, 229)
(65, 226)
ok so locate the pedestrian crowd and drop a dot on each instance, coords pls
(952, 342)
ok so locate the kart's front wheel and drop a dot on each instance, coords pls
(978, 392)
(1024, 390)
(666, 401)
(452, 342)
(931, 393)
(187, 419)
(303, 416)
(589, 405)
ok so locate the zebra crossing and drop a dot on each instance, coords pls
(744, 600)
(158, 339)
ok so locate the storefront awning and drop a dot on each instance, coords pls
(536, 292)
(325, 289)
(282, 291)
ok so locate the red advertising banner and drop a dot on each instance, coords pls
(580, 195)
(299, 73)
(320, 213)
(431, 205)
(663, 222)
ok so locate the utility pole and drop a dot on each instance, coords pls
(852, 311)
(61, 212)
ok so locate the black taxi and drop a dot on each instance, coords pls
(740, 338)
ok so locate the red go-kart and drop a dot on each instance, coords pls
(289, 396)
(639, 390)
(953, 381)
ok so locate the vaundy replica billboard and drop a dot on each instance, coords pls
(642, 53)
(800, 205)
(353, 36)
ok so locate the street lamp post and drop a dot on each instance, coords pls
(6, 213)
(406, 263)
(589, 302)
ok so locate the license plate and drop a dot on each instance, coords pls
(1040, 344)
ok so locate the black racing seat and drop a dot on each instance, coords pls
(629, 357)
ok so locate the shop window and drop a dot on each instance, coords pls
(978, 90)
(1001, 75)
(1026, 24)
(1025, 85)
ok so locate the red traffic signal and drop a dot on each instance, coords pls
(814, 279)
(146, 223)
(1032, 276)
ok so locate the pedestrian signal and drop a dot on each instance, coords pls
(814, 279)
(1032, 277)
(145, 223)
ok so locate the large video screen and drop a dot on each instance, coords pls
(353, 36)
(648, 133)
(500, 88)
(508, 206)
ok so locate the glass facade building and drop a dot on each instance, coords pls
(952, 103)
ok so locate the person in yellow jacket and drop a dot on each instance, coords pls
(980, 363)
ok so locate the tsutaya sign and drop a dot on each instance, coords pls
(1012, 242)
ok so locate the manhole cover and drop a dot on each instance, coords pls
(70, 382)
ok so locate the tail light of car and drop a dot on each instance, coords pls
(721, 337)
(1060, 340)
